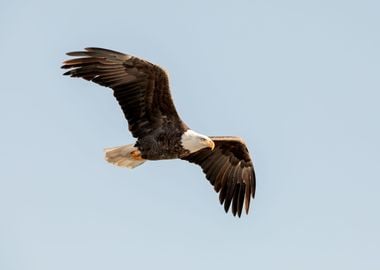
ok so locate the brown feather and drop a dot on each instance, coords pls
(141, 88)
(230, 170)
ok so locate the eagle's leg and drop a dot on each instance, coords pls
(127, 156)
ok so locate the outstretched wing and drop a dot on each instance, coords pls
(230, 170)
(140, 87)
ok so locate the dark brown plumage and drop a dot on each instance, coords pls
(142, 90)
(140, 87)
(230, 170)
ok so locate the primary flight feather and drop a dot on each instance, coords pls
(142, 90)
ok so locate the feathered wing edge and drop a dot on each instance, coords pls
(140, 87)
(229, 169)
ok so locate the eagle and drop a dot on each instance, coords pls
(142, 91)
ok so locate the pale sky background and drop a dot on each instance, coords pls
(298, 80)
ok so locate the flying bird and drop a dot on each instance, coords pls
(142, 90)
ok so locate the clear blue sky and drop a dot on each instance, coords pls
(298, 80)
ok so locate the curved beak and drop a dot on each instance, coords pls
(211, 144)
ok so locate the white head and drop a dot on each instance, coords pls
(194, 141)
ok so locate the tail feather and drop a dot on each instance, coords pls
(123, 156)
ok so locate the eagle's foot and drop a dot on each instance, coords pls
(136, 155)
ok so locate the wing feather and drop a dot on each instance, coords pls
(140, 87)
(229, 169)
(220, 176)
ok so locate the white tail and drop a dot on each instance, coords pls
(124, 156)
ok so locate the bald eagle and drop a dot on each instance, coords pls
(142, 90)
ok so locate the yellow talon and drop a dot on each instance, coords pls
(136, 155)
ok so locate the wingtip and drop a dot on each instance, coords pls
(65, 65)
(97, 49)
(75, 53)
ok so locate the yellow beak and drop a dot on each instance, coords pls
(211, 144)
